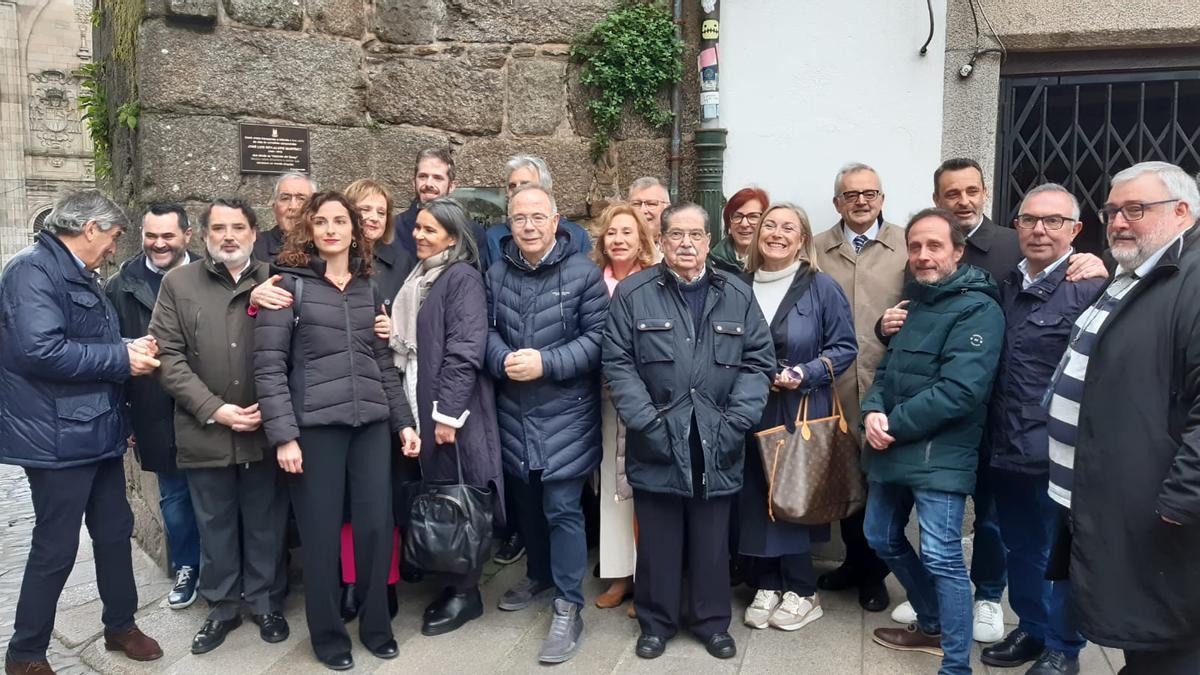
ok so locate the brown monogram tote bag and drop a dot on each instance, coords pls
(812, 474)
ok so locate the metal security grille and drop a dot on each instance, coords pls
(1079, 130)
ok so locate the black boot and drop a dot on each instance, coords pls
(349, 603)
(451, 611)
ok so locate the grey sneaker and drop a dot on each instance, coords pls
(524, 593)
(566, 633)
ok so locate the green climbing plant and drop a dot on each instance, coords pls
(93, 104)
(629, 56)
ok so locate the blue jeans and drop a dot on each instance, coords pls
(555, 542)
(936, 582)
(988, 572)
(1028, 524)
(179, 520)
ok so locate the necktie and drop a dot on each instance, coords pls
(859, 242)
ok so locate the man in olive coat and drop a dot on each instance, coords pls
(687, 354)
(924, 418)
(206, 341)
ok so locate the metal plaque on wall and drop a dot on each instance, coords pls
(271, 148)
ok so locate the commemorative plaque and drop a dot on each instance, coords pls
(271, 148)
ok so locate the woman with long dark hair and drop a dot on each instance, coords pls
(439, 332)
(330, 398)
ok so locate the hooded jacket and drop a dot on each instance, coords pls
(551, 424)
(934, 382)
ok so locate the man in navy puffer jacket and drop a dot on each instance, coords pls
(547, 306)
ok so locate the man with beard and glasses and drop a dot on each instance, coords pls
(292, 191)
(133, 291)
(923, 419)
(1124, 426)
(205, 333)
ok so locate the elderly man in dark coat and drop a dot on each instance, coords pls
(687, 354)
(548, 304)
(1124, 427)
(63, 367)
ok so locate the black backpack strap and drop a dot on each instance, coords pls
(299, 296)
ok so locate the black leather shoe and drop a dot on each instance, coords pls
(341, 661)
(841, 579)
(1017, 648)
(1054, 663)
(721, 645)
(874, 597)
(650, 646)
(451, 611)
(349, 603)
(212, 634)
(387, 650)
(271, 627)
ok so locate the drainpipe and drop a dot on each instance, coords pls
(676, 110)
(710, 137)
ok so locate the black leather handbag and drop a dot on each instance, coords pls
(449, 525)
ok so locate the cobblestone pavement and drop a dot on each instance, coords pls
(499, 642)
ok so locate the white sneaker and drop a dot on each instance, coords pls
(989, 621)
(796, 612)
(759, 612)
(904, 613)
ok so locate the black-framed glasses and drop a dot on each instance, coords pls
(1028, 222)
(1130, 212)
(695, 236)
(751, 218)
(650, 203)
(853, 195)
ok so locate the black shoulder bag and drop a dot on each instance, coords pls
(449, 525)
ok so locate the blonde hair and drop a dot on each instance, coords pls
(365, 187)
(647, 253)
(806, 252)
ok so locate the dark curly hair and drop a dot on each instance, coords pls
(298, 247)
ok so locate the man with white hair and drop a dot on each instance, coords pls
(292, 191)
(1124, 427)
(650, 196)
(63, 369)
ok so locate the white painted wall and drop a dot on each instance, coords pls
(809, 85)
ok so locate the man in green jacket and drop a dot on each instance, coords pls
(924, 417)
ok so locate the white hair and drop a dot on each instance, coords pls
(847, 169)
(288, 176)
(76, 209)
(537, 164)
(1053, 187)
(1180, 185)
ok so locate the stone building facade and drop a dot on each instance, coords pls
(43, 145)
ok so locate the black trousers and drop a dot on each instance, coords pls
(1161, 663)
(666, 524)
(784, 573)
(241, 512)
(331, 454)
(94, 494)
(860, 557)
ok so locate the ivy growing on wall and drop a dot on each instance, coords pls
(629, 56)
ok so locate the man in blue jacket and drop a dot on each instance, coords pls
(547, 304)
(63, 366)
(1040, 306)
(924, 418)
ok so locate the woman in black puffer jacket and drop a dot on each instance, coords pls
(330, 395)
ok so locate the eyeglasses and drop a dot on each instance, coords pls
(696, 236)
(787, 228)
(538, 220)
(853, 195)
(1028, 222)
(651, 203)
(285, 197)
(1130, 212)
(752, 217)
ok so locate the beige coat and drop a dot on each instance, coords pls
(872, 281)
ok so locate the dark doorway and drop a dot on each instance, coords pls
(1080, 129)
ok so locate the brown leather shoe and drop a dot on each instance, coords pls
(909, 639)
(617, 593)
(26, 667)
(632, 611)
(136, 645)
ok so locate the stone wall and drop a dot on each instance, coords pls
(374, 82)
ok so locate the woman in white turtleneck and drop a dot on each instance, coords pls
(810, 319)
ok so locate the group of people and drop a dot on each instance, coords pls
(324, 366)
